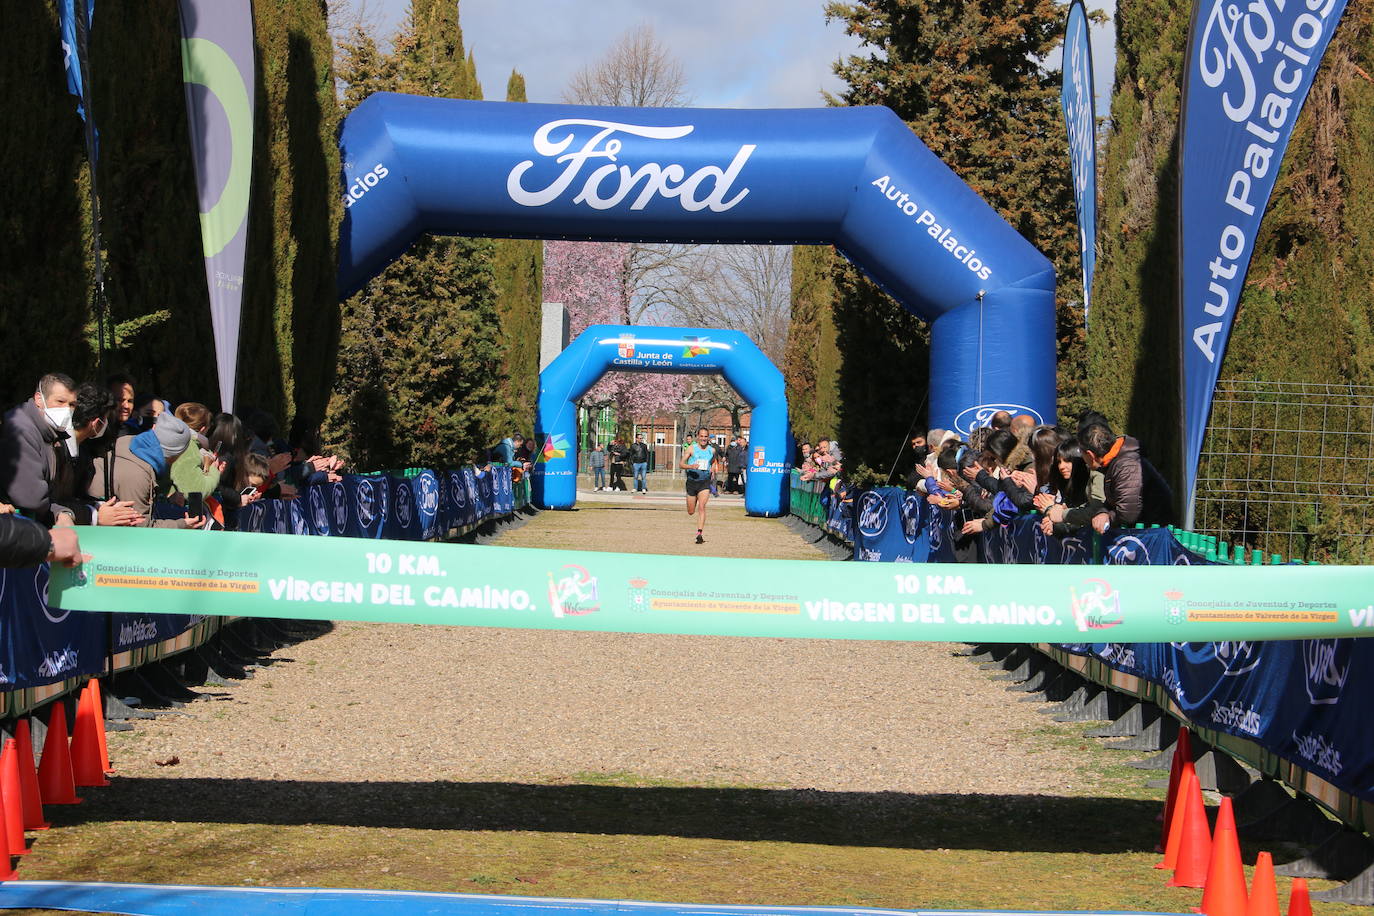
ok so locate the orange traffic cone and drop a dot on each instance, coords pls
(1187, 777)
(1298, 902)
(1264, 892)
(93, 687)
(1183, 753)
(12, 794)
(87, 767)
(7, 872)
(55, 781)
(1225, 892)
(1195, 841)
(28, 777)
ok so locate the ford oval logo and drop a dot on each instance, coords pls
(974, 417)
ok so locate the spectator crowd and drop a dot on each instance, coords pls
(93, 454)
(1013, 466)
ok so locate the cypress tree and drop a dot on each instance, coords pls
(291, 311)
(518, 269)
(1133, 335)
(812, 360)
(44, 286)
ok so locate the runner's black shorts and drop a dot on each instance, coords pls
(696, 486)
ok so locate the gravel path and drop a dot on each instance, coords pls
(397, 702)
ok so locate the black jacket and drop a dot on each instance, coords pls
(1136, 493)
(22, 542)
(639, 453)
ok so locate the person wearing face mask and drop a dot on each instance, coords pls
(34, 449)
(92, 414)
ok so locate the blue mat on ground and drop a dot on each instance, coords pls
(176, 900)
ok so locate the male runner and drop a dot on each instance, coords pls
(700, 461)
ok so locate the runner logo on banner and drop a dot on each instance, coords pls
(1249, 71)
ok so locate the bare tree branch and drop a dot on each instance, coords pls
(637, 72)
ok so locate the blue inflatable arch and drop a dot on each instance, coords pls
(854, 177)
(606, 348)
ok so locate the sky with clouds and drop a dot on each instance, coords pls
(750, 54)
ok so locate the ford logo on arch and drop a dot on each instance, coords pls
(974, 417)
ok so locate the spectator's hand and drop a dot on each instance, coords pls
(193, 521)
(1024, 479)
(65, 549)
(1055, 513)
(973, 527)
(208, 460)
(1101, 521)
(6, 509)
(1046, 526)
(332, 477)
(63, 520)
(221, 464)
(952, 501)
(1042, 501)
(252, 497)
(287, 491)
(970, 472)
(114, 512)
(278, 463)
(320, 462)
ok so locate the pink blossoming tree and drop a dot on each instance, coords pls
(592, 280)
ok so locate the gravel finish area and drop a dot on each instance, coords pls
(397, 702)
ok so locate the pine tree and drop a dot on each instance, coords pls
(966, 77)
(421, 361)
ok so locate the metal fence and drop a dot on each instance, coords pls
(1288, 467)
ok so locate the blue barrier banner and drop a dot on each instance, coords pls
(891, 526)
(1302, 699)
(42, 644)
(1248, 73)
(423, 507)
(1077, 98)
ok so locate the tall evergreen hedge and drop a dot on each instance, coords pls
(155, 275)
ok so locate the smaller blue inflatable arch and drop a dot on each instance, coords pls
(606, 348)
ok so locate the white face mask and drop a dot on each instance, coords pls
(59, 417)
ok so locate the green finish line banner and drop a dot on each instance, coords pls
(272, 575)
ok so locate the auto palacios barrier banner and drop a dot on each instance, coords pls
(1301, 699)
(217, 68)
(1077, 98)
(43, 644)
(1249, 68)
